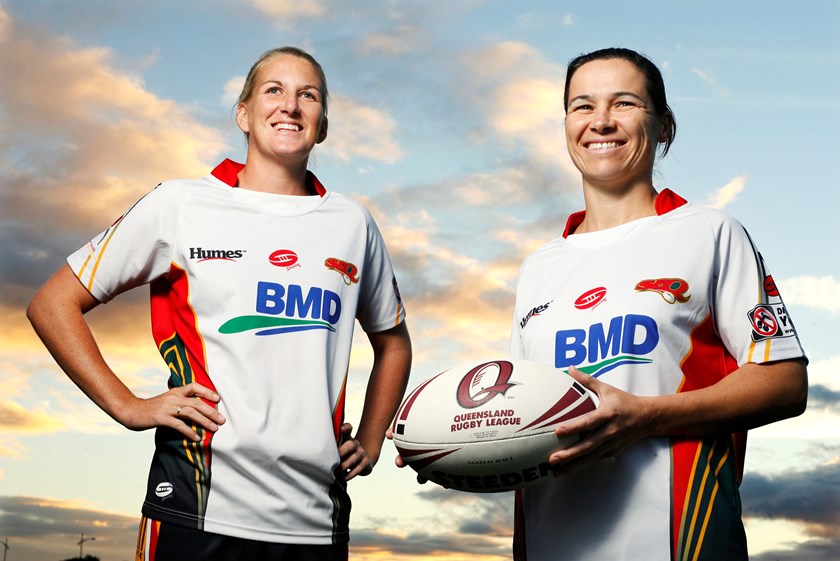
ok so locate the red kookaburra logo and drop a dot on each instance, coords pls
(671, 290)
(348, 271)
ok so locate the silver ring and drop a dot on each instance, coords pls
(178, 412)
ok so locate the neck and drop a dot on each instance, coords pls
(608, 209)
(273, 177)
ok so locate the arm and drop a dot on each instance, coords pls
(388, 379)
(752, 396)
(57, 314)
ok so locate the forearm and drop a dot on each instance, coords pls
(386, 387)
(57, 315)
(752, 396)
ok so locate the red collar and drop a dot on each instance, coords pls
(665, 202)
(228, 173)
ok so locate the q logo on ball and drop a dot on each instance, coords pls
(470, 399)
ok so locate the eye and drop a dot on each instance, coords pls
(273, 90)
(582, 107)
(309, 95)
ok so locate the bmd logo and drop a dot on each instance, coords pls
(474, 390)
(287, 309)
(624, 341)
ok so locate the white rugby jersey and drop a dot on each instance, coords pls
(254, 295)
(665, 304)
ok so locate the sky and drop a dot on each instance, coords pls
(446, 121)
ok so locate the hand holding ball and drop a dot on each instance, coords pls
(488, 426)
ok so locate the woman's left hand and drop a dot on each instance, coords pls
(619, 421)
(354, 458)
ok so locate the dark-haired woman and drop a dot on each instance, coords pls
(664, 310)
(257, 276)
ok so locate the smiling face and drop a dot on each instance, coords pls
(284, 116)
(612, 129)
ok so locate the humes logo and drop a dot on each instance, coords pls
(535, 311)
(204, 254)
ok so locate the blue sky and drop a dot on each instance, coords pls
(446, 121)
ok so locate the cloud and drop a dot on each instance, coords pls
(728, 192)
(45, 528)
(520, 95)
(286, 11)
(460, 302)
(464, 526)
(811, 498)
(358, 131)
(812, 550)
(232, 89)
(710, 80)
(77, 140)
(402, 39)
(821, 397)
(816, 292)
(15, 419)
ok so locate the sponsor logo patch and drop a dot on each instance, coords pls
(164, 489)
(603, 347)
(535, 311)
(200, 254)
(591, 298)
(671, 290)
(284, 258)
(348, 271)
(770, 321)
(286, 309)
(770, 286)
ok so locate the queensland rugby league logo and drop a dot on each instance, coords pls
(483, 383)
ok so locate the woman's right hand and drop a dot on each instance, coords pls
(179, 408)
(400, 461)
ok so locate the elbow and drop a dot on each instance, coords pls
(798, 390)
(34, 311)
(802, 402)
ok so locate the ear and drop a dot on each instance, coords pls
(665, 124)
(322, 134)
(242, 117)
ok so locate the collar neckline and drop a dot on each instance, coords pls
(228, 173)
(665, 202)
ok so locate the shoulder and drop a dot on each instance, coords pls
(351, 208)
(547, 252)
(713, 219)
(180, 190)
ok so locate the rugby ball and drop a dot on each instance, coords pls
(488, 426)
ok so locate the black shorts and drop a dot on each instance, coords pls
(162, 541)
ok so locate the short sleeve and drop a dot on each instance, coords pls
(750, 315)
(133, 251)
(380, 304)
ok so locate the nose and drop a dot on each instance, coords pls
(289, 103)
(602, 120)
